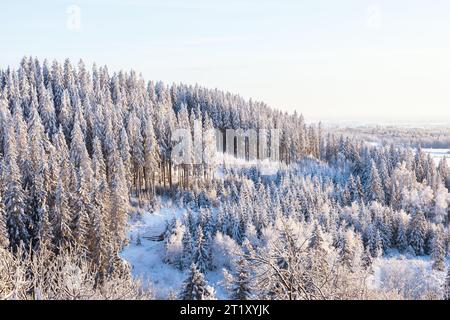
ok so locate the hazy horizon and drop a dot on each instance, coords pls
(369, 61)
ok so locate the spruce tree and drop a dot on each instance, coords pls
(118, 198)
(4, 241)
(401, 240)
(15, 200)
(374, 187)
(417, 233)
(438, 250)
(61, 217)
(241, 285)
(187, 248)
(195, 287)
(201, 256)
(447, 285)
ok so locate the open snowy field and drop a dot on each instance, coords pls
(438, 154)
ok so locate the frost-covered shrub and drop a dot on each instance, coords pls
(224, 251)
(68, 276)
(419, 198)
(408, 278)
(174, 244)
(442, 202)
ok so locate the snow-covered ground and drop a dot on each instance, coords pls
(146, 258)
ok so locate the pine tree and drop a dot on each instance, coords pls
(438, 250)
(367, 259)
(201, 256)
(353, 190)
(195, 287)
(417, 233)
(317, 242)
(61, 217)
(187, 247)
(401, 240)
(447, 285)
(119, 199)
(22, 144)
(5, 116)
(443, 169)
(64, 114)
(47, 110)
(241, 288)
(136, 143)
(359, 189)
(38, 211)
(185, 159)
(4, 241)
(151, 157)
(81, 210)
(346, 249)
(98, 165)
(317, 263)
(82, 207)
(124, 150)
(15, 200)
(374, 188)
(209, 146)
(374, 242)
(78, 153)
(97, 236)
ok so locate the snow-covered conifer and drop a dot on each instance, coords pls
(438, 250)
(201, 255)
(417, 232)
(195, 287)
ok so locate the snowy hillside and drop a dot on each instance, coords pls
(314, 223)
(145, 251)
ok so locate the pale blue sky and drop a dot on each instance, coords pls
(326, 59)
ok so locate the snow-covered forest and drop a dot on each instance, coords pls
(86, 155)
(433, 136)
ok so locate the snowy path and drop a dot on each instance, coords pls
(146, 259)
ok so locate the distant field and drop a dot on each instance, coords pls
(438, 154)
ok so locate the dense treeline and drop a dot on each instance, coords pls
(76, 146)
(320, 215)
(437, 137)
(313, 231)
